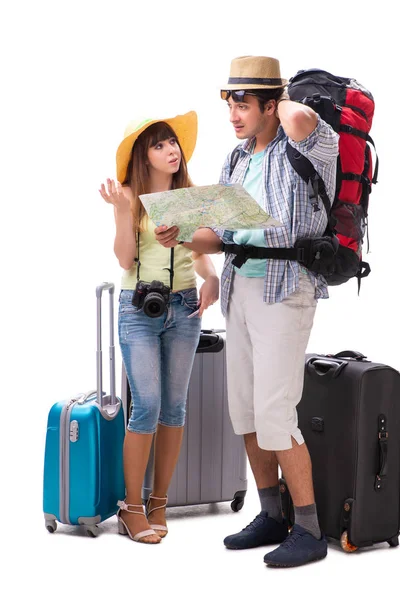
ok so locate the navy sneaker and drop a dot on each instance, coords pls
(299, 548)
(263, 530)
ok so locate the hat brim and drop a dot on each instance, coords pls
(249, 86)
(185, 127)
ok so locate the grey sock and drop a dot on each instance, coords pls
(306, 517)
(270, 499)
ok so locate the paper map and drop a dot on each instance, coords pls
(224, 206)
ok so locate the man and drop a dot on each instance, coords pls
(269, 303)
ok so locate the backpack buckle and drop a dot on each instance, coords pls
(301, 255)
(313, 193)
(242, 255)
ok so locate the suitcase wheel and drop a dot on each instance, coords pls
(346, 545)
(238, 501)
(394, 541)
(91, 530)
(51, 526)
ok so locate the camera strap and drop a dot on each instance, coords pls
(171, 264)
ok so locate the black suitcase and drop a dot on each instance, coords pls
(349, 416)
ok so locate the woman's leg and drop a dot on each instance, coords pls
(141, 352)
(167, 446)
(136, 455)
(179, 342)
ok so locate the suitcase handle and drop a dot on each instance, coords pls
(88, 397)
(383, 453)
(322, 367)
(210, 341)
(350, 354)
(101, 399)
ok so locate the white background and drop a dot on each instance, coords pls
(73, 74)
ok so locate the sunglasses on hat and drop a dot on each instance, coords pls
(237, 95)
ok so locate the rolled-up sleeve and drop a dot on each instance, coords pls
(321, 146)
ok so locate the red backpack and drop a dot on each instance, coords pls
(349, 108)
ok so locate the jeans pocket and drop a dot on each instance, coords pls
(129, 309)
(190, 299)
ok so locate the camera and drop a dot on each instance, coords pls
(153, 297)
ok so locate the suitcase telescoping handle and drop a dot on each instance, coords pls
(99, 355)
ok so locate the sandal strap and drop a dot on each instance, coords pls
(123, 506)
(143, 534)
(157, 498)
(159, 527)
(156, 507)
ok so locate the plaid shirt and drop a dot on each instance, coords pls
(286, 198)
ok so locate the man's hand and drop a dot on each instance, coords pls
(284, 96)
(167, 236)
(209, 293)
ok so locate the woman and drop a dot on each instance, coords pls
(157, 350)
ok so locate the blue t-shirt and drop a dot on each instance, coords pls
(253, 267)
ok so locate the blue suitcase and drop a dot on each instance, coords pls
(83, 465)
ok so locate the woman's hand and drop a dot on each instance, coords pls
(115, 194)
(167, 236)
(209, 293)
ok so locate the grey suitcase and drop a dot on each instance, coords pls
(212, 464)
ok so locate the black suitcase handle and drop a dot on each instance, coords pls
(350, 354)
(324, 367)
(211, 341)
(383, 453)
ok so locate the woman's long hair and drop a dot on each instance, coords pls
(137, 173)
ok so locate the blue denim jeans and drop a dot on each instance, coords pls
(158, 355)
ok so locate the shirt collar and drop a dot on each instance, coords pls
(249, 145)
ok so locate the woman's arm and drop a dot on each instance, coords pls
(203, 265)
(125, 239)
(209, 291)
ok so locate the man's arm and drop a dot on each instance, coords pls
(204, 241)
(297, 120)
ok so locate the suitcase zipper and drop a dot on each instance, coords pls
(64, 460)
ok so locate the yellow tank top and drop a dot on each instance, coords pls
(155, 259)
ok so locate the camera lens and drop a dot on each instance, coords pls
(154, 305)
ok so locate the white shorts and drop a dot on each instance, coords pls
(266, 346)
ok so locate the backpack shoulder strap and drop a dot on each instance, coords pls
(316, 187)
(234, 159)
(303, 167)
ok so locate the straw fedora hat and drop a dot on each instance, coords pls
(185, 127)
(255, 72)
